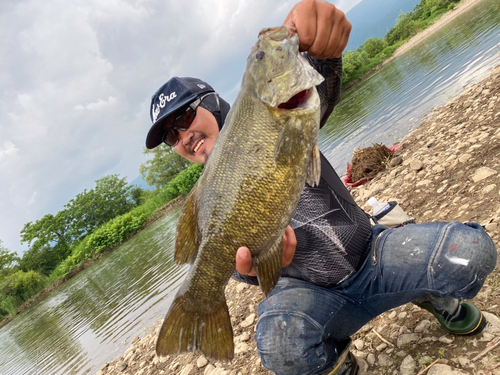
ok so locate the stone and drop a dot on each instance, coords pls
(384, 360)
(407, 338)
(208, 369)
(201, 362)
(447, 339)
(359, 344)
(407, 366)
(396, 161)
(241, 347)
(187, 369)
(489, 189)
(423, 326)
(371, 359)
(440, 369)
(483, 173)
(416, 165)
(121, 366)
(465, 157)
(493, 325)
(248, 321)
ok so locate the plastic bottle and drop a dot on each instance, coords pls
(377, 206)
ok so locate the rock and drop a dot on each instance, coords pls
(493, 325)
(489, 189)
(465, 157)
(371, 359)
(241, 287)
(416, 165)
(396, 161)
(248, 321)
(384, 360)
(447, 339)
(187, 369)
(440, 369)
(407, 366)
(121, 366)
(201, 362)
(241, 347)
(208, 369)
(245, 336)
(422, 326)
(483, 173)
(359, 344)
(407, 338)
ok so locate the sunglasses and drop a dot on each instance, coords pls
(182, 122)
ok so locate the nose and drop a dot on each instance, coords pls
(183, 136)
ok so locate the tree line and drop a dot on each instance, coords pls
(93, 221)
(375, 50)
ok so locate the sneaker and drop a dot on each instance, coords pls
(468, 320)
(346, 366)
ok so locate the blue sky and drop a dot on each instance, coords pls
(76, 78)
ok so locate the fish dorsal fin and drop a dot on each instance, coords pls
(314, 167)
(187, 240)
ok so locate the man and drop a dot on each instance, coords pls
(339, 272)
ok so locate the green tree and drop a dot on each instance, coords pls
(110, 197)
(405, 27)
(162, 167)
(7, 260)
(373, 46)
(49, 242)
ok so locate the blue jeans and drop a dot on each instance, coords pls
(301, 323)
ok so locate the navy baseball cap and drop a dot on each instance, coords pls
(173, 95)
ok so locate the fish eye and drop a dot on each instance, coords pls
(260, 55)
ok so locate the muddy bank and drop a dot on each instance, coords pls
(447, 169)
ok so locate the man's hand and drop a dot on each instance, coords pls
(244, 257)
(323, 29)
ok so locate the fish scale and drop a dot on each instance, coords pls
(247, 193)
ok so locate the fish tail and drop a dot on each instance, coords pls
(185, 330)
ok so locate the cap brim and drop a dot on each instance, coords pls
(153, 138)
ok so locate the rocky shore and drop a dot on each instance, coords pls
(448, 169)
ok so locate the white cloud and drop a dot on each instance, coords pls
(76, 79)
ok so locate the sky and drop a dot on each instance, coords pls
(76, 79)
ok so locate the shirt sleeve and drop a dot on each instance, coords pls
(329, 89)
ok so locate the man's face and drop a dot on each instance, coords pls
(195, 144)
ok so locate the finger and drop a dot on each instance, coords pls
(244, 262)
(303, 17)
(325, 23)
(339, 38)
(289, 246)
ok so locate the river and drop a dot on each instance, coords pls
(92, 318)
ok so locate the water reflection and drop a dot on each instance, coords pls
(391, 102)
(92, 318)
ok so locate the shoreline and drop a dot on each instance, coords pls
(443, 20)
(156, 215)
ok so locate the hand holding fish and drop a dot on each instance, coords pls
(323, 29)
(244, 257)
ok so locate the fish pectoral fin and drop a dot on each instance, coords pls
(187, 239)
(314, 167)
(290, 140)
(186, 330)
(268, 266)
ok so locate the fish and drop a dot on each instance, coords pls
(247, 193)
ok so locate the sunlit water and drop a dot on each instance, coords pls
(391, 102)
(92, 318)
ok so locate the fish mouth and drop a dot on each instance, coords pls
(297, 101)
